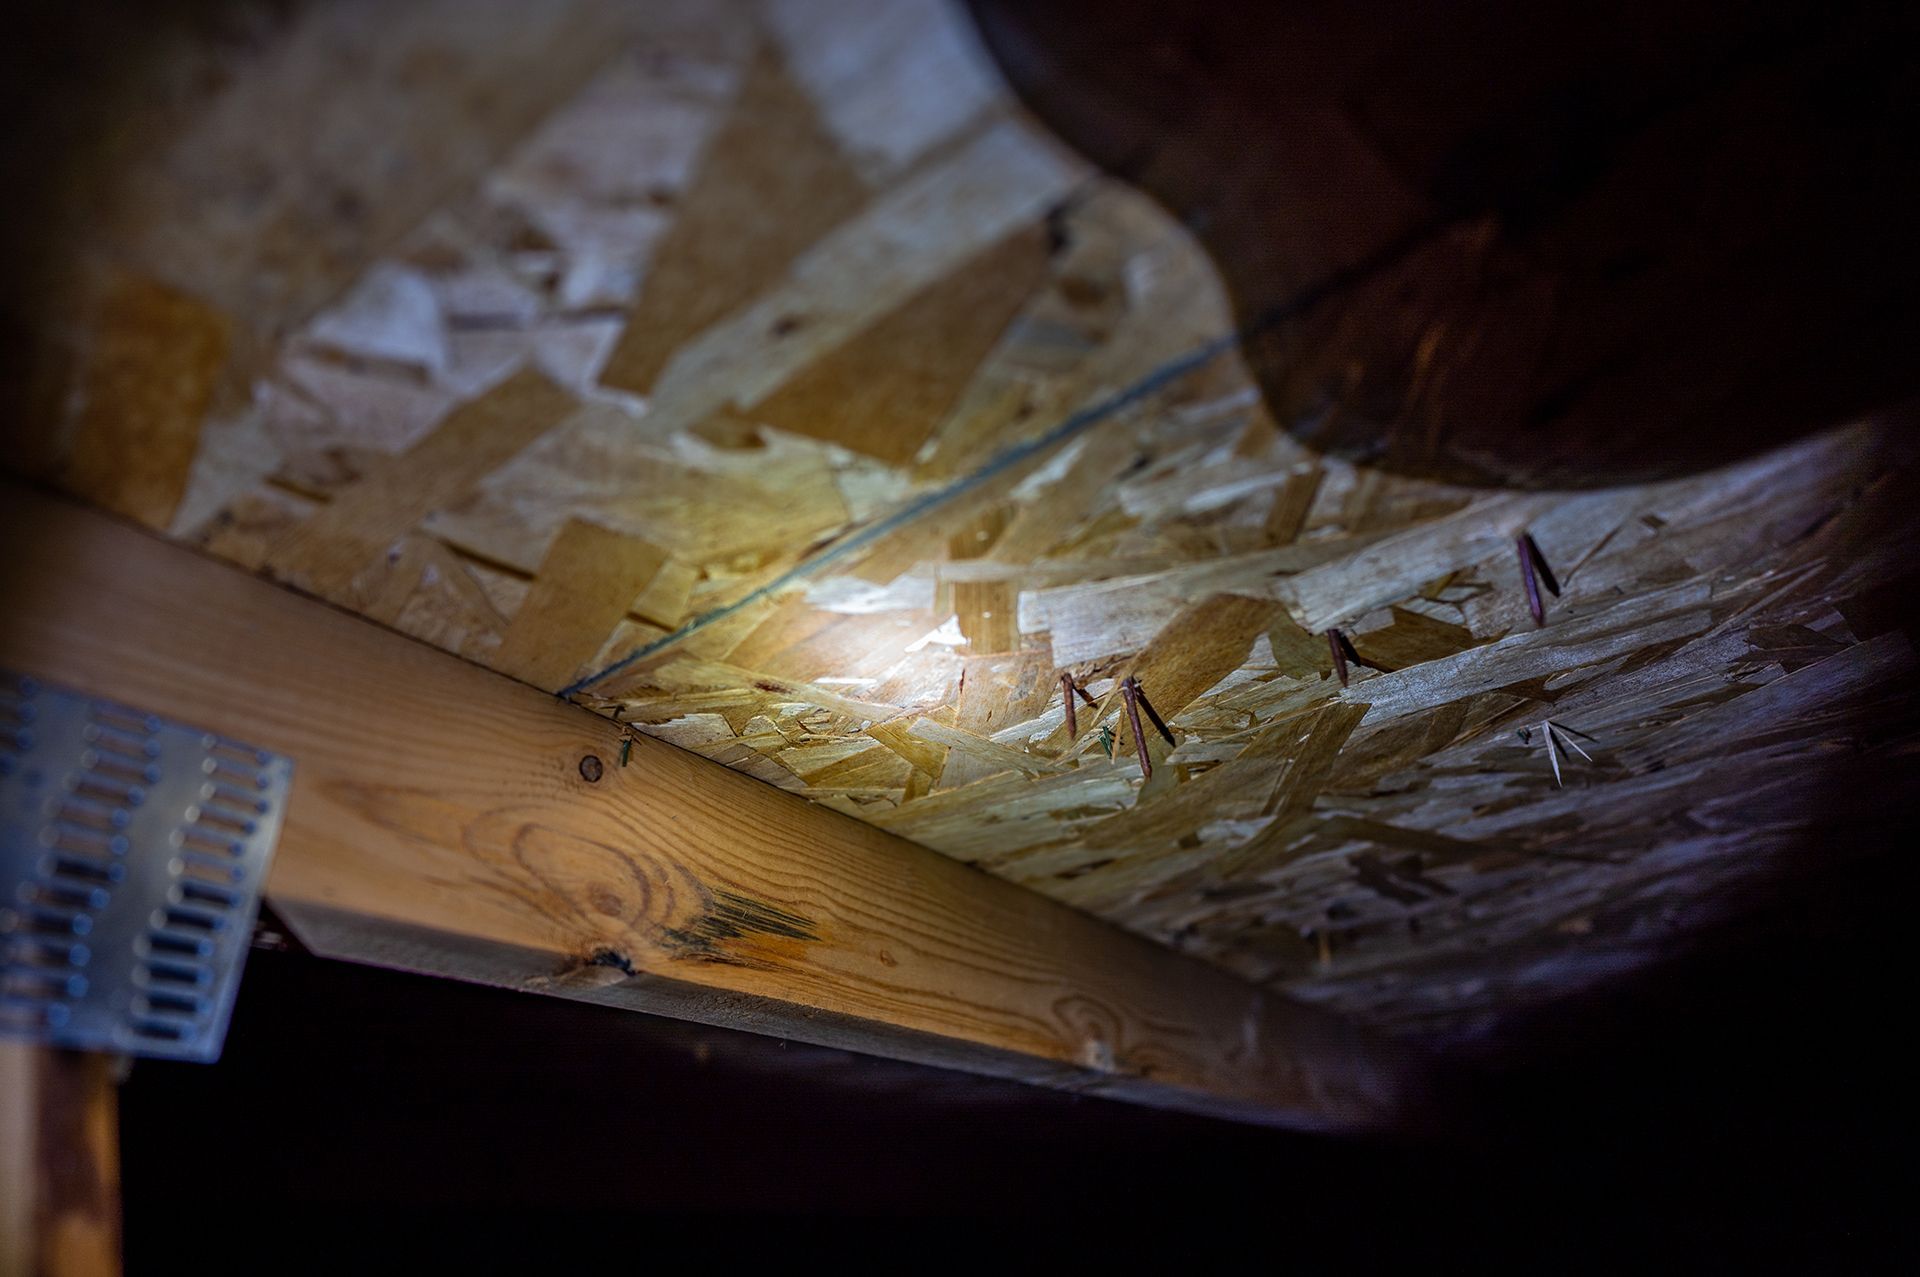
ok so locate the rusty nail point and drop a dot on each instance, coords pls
(1534, 572)
(1540, 566)
(591, 768)
(1130, 691)
(1066, 696)
(1153, 715)
(1336, 642)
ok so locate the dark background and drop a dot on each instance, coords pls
(1502, 242)
(1744, 1105)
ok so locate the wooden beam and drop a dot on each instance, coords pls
(444, 819)
(59, 1163)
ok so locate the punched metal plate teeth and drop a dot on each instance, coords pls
(132, 852)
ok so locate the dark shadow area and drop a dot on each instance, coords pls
(1744, 1106)
(1567, 245)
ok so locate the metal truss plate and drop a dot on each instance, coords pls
(132, 853)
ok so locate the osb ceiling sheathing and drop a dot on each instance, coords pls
(689, 357)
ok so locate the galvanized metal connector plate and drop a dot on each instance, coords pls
(132, 853)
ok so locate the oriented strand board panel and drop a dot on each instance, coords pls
(585, 585)
(769, 381)
(144, 389)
